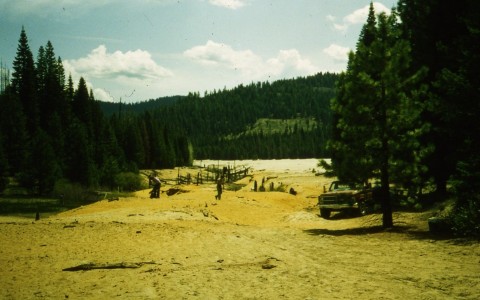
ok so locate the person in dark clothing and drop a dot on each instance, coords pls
(155, 193)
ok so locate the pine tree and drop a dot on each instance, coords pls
(434, 29)
(377, 112)
(69, 90)
(82, 107)
(461, 81)
(51, 91)
(24, 83)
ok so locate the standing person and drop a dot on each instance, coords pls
(219, 190)
(155, 193)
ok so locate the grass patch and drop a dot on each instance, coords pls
(233, 186)
(28, 207)
(15, 200)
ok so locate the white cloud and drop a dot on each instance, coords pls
(136, 64)
(331, 18)
(125, 70)
(217, 54)
(231, 4)
(340, 27)
(287, 63)
(101, 94)
(337, 52)
(359, 16)
(290, 63)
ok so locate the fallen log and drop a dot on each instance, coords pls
(97, 266)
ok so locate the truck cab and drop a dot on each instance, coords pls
(343, 196)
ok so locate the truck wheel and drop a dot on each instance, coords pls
(325, 213)
(363, 209)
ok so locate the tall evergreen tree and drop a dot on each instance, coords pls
(377, 113)
(55, 111)
(69, 90)
(433, 28)
(24, 83)
(461, 84)
(81, 106)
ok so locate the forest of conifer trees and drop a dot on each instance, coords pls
(52, 129)
(405, 112)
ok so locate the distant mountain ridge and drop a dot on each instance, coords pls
(109, 108)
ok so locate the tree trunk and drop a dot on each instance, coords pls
(387, 217)
(385, 183)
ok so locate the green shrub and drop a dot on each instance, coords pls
(128, 181)
(73, 193)
(3, 183)
(465, 217)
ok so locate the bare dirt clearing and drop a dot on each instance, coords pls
(249, 245)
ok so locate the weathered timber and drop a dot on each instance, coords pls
(97, 266)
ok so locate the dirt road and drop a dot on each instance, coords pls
(249, 245)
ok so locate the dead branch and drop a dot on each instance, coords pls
(96, 266)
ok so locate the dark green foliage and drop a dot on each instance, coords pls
(73, 194)
(3, 166)
(466, 184)
(23, 83)
(227, 124)
(29, 206)
(445, 39)
(440, 37)
(80, 166)
(51, 131)
(219, 125)
(378, 111)
(43, 165)
(14, 132)
(128, 181)
(407, 108)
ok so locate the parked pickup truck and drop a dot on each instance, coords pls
(342, 196)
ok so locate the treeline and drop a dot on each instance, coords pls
(53, 131)
(110, 108)
(217, 124)
(407, 108)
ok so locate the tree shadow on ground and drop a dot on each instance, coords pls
(346, 214)
(406, 230)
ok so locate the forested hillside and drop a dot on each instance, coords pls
(53, 132)
(407, 108)
(225, 124)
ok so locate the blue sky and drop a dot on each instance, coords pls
(145, 49)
